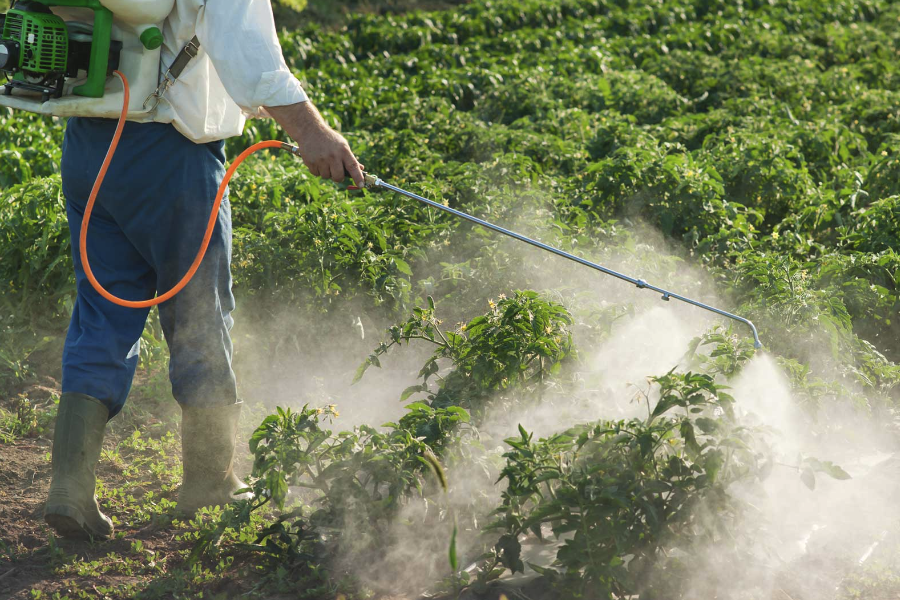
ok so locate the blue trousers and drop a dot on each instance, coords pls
(144, 233)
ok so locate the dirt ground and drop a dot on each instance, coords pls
(25, 479)
(28, 554)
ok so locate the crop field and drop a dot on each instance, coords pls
(433, 411)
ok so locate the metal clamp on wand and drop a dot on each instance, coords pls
(373, 182)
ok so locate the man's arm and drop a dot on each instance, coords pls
(325, 151)
(255, 75)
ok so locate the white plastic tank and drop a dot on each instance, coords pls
(140, 12)
(140, 15)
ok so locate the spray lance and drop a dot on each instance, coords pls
(373, 182)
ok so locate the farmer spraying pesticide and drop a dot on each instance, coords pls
(181, 76)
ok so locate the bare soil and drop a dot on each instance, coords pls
(24, 479)
(29, 560)
(27, 557)
(29, 554)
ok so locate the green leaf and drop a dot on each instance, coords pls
(829, 468)
(413, 389)
(544, 571)
(690, 440)
(808, 477)
(461, 413)
(712, 464)
(360, 371)
(664, 405)
(526, 437)
(645, 441)
(707, 425)
(454, 562)
(510, 551)
(403, 267)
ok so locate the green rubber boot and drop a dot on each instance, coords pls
(208, 436)
(72, 508)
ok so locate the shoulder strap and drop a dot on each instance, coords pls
(174, 71)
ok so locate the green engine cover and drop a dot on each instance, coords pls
(43, 40)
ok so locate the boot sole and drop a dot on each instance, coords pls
(68, 522)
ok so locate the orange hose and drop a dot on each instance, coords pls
(209, 227)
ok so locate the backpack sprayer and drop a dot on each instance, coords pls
(59, 55)
(56, 63)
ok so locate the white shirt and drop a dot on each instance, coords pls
(239, 69)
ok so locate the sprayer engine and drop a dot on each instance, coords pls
(38, 50)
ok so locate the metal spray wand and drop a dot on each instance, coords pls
(373, 182)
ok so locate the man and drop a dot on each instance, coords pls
(146, 228)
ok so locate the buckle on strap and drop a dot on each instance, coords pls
(190, 50)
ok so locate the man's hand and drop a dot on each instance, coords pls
(325, 151)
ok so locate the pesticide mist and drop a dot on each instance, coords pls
(798, 502)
